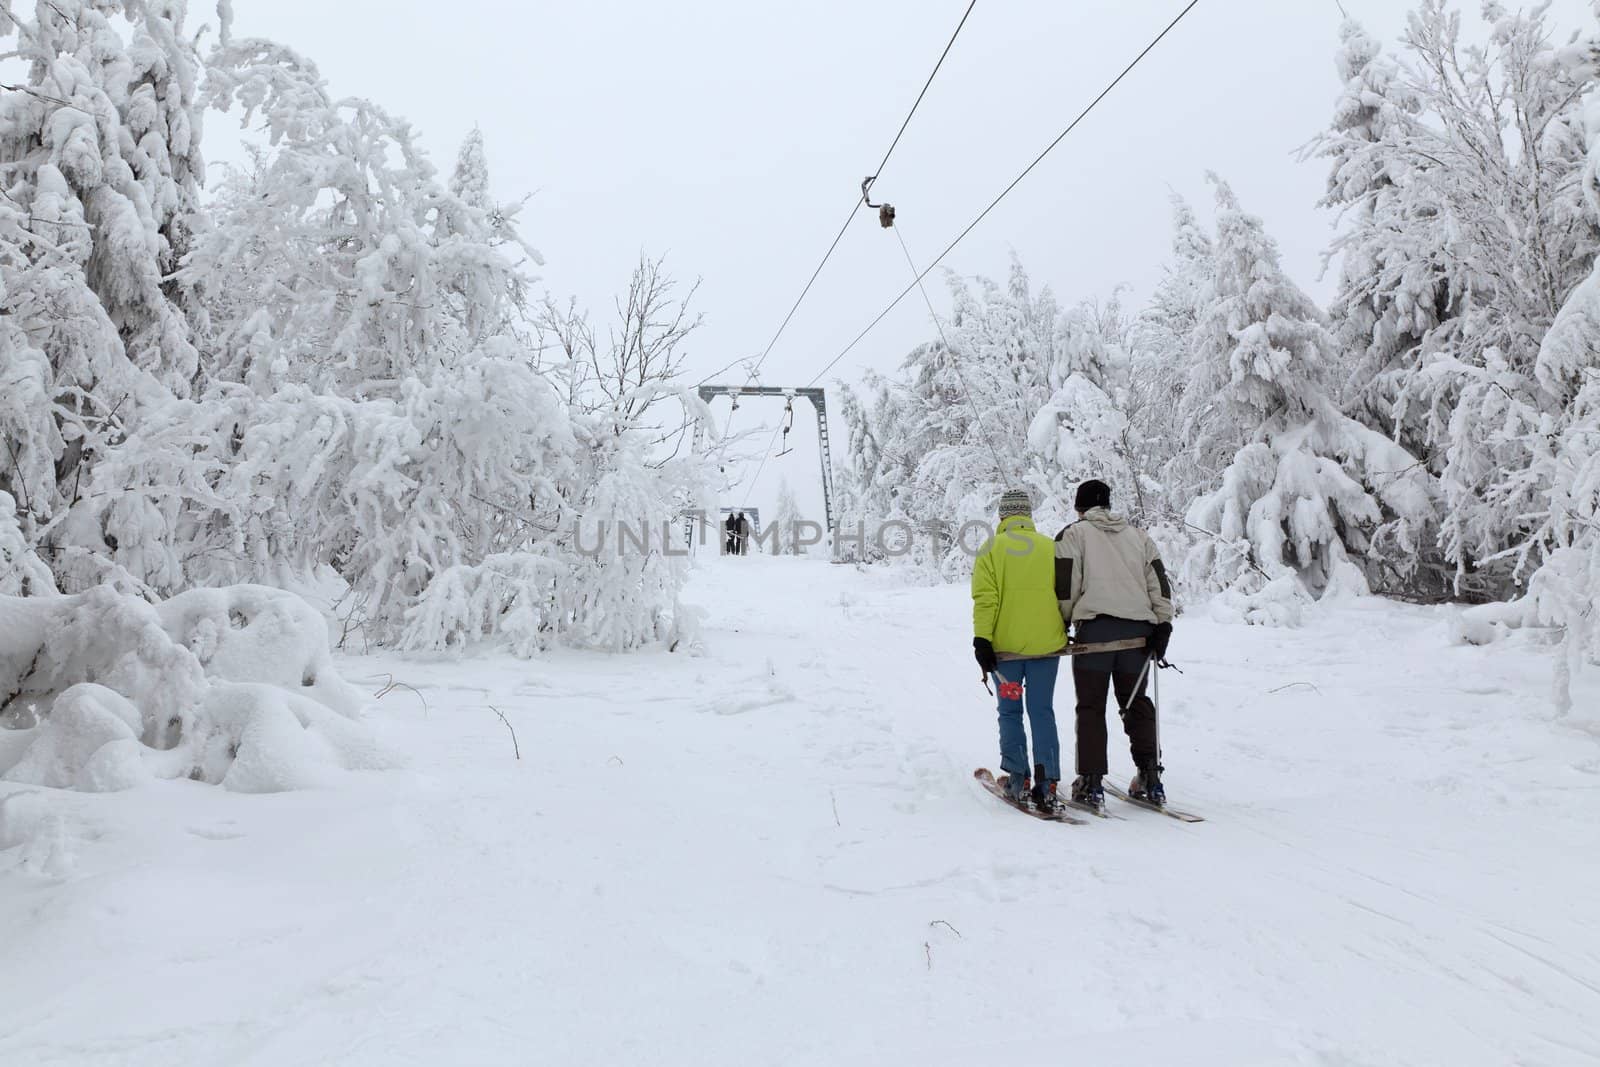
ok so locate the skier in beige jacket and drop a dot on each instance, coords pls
(1116, 588)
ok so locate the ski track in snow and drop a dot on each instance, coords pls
(776, 849)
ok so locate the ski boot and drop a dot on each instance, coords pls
(1015, 788)
(1044, 792)
(1146, 785)
(1086, 789)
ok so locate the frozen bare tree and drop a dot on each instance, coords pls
(638, 363)
(644, 348)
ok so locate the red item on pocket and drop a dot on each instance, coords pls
(1010, 690)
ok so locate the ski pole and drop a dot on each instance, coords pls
(1122, 709)
(1155, 703)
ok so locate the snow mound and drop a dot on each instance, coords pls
(262, 739)
(1278, 602)
(233, 686)
(1484, 624)
(253, 633)
(89, 742)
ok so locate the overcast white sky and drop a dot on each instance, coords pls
(733, 136)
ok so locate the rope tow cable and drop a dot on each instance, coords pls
(856, 205)
(885, 215)
(1006, 191)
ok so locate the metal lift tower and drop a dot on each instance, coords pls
(818, 401)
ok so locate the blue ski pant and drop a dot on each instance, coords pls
(1038, 680)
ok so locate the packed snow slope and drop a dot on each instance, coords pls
(775, 851)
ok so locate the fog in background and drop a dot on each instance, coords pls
(732, 137)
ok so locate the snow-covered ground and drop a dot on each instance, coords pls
(775, 852)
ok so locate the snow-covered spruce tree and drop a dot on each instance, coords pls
(886, 442)
(33, 419)
(874, 470)
(1389, 298)
(1079, 433)
(784, 520)
(1288, 514)
(886, 445)
(119, 122)
(953, 471)
(1013, 351)
(469, 182)
(1565, 589)
(1260, 349)
(1464, 234)
(1082, 430)
(99, 152)
(849, 480)
(861, 452)
(1160, 342)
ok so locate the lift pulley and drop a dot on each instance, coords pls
(885, 211)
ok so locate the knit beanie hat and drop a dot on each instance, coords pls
(1093, 494)
(1015, 502)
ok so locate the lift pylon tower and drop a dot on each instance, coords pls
(818, 401)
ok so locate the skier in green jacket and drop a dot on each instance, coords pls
(1016, 608)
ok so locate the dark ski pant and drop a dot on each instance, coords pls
(1093, 677)
(1038, 678)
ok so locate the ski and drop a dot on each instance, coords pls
(1123, 795)
(1099, 813)
(987, 780)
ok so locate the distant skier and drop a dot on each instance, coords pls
(742, 537)
(1016, 584)
(730, 544)
(1115, 588)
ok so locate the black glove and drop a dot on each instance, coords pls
(984, 651)
(1158, 641)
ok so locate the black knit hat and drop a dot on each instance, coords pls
(1093, 494)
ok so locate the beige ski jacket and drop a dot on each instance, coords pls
(1111, 569)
